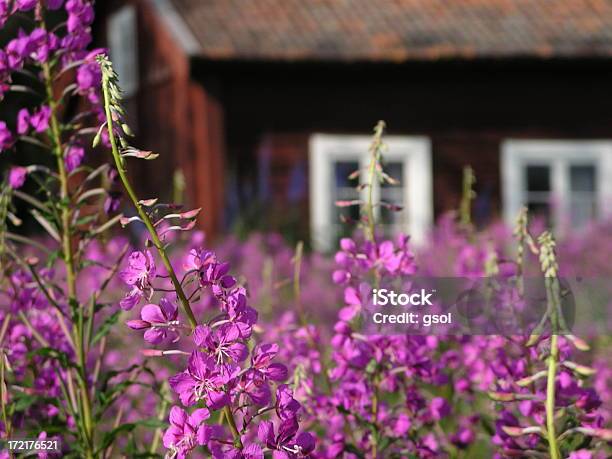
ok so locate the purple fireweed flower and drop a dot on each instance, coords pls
(160, 322)
(42, 454)
(286, 444)
(255, 386)
(471, 261)
(222, 342)
(402, 425)
(212, 273)
(223, 451)
(80, 13)
(241, 315)
(112, 202)
(261, 362)
(286, 405)
(18, 49)
(185, 431)
(23, 121)
(40, 119)
(54, 4)
(6, 137)
(255, 381)
(198, 258)
(17, 177)
(395, 261)
(203, 380)
(131, 299)
(464, 436)
(74, 157)
(43, 43)
(4, 12)
(25, 5)
(139, 274)
(88, 77)
(581, 454)
(439, 408)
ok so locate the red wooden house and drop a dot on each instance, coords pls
(267, 105)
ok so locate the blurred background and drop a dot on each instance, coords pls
(260, 109)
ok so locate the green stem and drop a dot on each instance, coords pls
(158, 432)
(374, 448)
(297, 294)
(550, 399)
(69, 261)
(553, 360)
(232, 425)
(5, 420)
(465, 208)
(370, 201)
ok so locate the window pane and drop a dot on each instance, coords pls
(342, 170)
(582, 178)
(538, 192)
(583, 205)
(538, 178)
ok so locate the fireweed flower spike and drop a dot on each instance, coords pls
(117, 137)
(219, 373)
(552, 396)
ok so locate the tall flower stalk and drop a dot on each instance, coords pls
(550, 270)
(114, 111)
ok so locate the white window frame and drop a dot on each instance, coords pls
(558, 155)
(122, 36)
(327, 149)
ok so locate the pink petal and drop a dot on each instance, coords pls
(138, 324)
(154, 335)
(199, 416)
(152, 313)
(177, 416)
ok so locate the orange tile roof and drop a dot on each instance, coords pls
(398, 30)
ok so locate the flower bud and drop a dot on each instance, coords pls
(152, 352)
(580, 369)
(530, 379)
(138, 324)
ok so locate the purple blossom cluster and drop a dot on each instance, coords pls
(222, 372)
(34, 51)
(376, 382)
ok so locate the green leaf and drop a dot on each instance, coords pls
(111, 436)
(153, 423)
(86, 220)
(53, 257)
(106, 327)
(350, 448)
(61, 357)
(45, 224)
(23, 401)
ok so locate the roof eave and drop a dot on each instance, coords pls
(177, 27)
